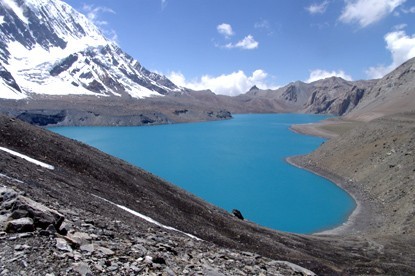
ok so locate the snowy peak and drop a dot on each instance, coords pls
(47, 47)
(48, 24)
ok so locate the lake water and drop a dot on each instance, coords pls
(235, 164)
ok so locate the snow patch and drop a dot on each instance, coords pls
(11, 178)
(11, 4)
(7, 92)
(27, 158)
(148, 219)
(1, 19)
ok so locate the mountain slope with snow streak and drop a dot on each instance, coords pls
(47, 47)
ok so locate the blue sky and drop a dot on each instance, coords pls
(230, 45)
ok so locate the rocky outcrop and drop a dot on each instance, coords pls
(21, 214)
(328, 96)
(394, 93)
(237, 214)
(43, 117)
(119, 111)
(96, 245)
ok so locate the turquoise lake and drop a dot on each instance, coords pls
(235, 164)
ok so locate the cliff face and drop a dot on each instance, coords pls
(393, 93)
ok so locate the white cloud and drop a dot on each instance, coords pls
(319, 74)
(402, 48)
(163, 4)
(264, 26)
(409, 10)
(399, 27)
(318, 8)
(231, 84)
(248, 43)
(225, 30)
(366, 12)
(94, 15)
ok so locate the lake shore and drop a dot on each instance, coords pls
(329, 128)
(355, 222)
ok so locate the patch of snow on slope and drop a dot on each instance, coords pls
(11, 178)
(31, 68)
(142, 92)
(27, 158)
(11, 4)
(7, 92)
(1, 19)
(148, 219)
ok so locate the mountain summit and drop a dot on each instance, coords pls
(47, 47)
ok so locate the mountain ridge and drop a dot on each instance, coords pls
(49, 48)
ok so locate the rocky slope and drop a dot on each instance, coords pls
(332, 96)
(86, 243)
(84, 181)
(393, 93)
(375, 161)
(89, 110)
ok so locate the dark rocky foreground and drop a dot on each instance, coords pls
(87, 243)
(99, 237)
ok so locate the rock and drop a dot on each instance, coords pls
(105, 251)
(87, 248)
(82, 268)
(64, 228)
(20, 225)
(296, 268)
(21, 247)
(19, 214)
(112, 267)
(209, 271)
(7, 194)
(237, 214)
(148, 259)
(3, 220)
(79, 238)
(63, 245)
(41, 215)
(159, 260)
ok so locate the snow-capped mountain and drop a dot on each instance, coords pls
(47, 47)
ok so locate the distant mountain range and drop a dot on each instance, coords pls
(56, 67)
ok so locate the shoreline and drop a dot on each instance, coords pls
(350, 225)
(359, 220)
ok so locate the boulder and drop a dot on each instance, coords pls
(237, 214)
(42, 216)
(20, 225)
(7, 194)
(82, 268)
(63, 245)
